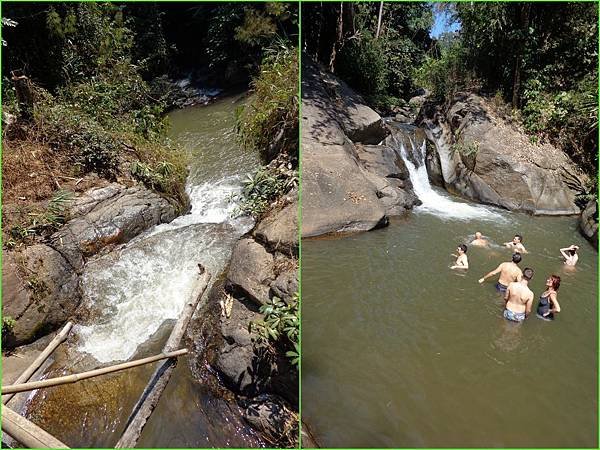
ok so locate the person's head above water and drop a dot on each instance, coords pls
(477, 235)
(527, 274)
(462, 247)
(554, 281)
(516, 258)
(573, 249)
(518, 239)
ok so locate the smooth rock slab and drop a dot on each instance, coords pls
(250, 271)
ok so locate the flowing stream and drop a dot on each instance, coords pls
(401, 351)
(134, 294)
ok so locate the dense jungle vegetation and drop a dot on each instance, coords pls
(536, 60)
(85, 89)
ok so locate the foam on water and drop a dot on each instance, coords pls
(149, 280)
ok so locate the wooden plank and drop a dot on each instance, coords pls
(35, 365)
(158, 382)
(13, 388)
(26, 432)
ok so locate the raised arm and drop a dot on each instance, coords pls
(562, 252)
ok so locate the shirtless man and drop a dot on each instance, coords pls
(516, 245)
(509, 272)
(479, 240)
(461, 259)
(570, 255)
(519, 298)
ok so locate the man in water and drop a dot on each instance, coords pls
(461, 259)
(516, 245)
(519, 298)
(570, 254)
(509, 272)
(479, 240)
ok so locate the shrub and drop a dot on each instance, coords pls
(362, 64)
(264, 187)
(269, 121)
(280, 325)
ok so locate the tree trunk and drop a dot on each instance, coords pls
(24, 97)
(525, 12)
(338, 39)
(379, 19)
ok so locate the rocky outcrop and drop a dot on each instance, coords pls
(263, 265)
(487, 159)
(41, 283)
(588, 222)
(340, 191)
(108, 216)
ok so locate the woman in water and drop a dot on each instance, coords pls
(548, 304)
(570, 255)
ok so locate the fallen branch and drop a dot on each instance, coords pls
(35, 365)
(13, 388)
(27, 432)
(158, 382)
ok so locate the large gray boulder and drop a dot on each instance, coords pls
(250, 271)
(40, 292)
(588, 222)
(506, 169)
(279, 229)
(107, 216)
(337, 195)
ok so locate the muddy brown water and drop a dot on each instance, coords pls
(136, 293)
(401, 351)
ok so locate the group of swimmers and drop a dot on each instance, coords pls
(513, 283)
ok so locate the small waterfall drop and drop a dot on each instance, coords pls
(434, 201)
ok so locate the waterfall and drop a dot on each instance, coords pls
(434, 201)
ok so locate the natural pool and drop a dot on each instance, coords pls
(401, 351)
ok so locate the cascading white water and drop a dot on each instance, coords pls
(132, 291)
(149, 280)
(435, 202)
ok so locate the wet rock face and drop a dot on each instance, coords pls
(270, 415)
(588, 222)
(41, 284)
(495, 162)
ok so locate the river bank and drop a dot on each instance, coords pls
(154, 271)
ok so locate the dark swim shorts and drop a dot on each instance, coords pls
(501, 288)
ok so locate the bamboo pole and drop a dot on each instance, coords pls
(26, 432)
(158, 382)
(35, 365)
(13, 388)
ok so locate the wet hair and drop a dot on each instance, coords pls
(572, 251)
(520, 238)
(555, 279)
(516, 258)
(527, 273)
(463, 247)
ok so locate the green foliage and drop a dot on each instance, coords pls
(363, 64)
(263, 188)
(280, 325)
(445, 75)
(467, 150)
(45, 222)
(269, 121)
(8, 323)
